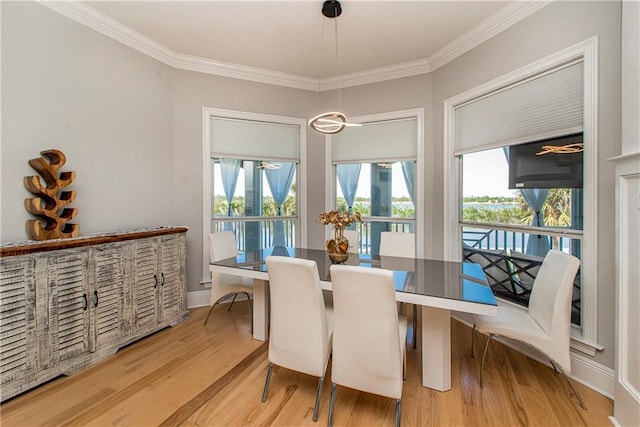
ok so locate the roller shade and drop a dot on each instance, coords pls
(543, 106)
(394, 139)
(254, 140)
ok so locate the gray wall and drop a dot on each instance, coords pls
(557, 26)
(630, 77)
(131, 127)
(107, 107)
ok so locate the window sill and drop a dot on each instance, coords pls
(585, 347)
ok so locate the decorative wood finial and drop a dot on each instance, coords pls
(51, 222)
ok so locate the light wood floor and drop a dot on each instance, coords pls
(195, 375)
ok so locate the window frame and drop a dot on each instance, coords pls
(584, 339)
(301, 174)
(330, 173)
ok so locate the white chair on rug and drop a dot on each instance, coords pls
(546, 324)
(223, 245)
(368, 339)
(401, 245)
(301, 326)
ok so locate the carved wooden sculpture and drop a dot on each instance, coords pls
(51, 222)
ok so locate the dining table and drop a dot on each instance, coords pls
(437, 287)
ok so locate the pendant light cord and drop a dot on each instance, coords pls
(338, 64)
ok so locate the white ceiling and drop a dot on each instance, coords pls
(292, 37)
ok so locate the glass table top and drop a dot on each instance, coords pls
(441, 279)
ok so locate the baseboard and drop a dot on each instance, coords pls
(198, 298)
(586, 371)
(203, 298)
(614, 421)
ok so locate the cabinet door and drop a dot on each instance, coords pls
(172, 276)
(18, 351)
(107, 296)
(145, 284)
(69, 306)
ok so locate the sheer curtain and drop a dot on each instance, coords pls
(348, 175)
(409, 173)
(229, 169)
(279, 181)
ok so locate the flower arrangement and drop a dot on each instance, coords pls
(339, 219)
(338, 246)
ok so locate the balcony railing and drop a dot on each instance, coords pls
(508, 268)
(254, 234)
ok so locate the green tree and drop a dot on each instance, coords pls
(556, 208)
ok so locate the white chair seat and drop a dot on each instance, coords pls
(546, 323)
(369, 337)
(301, 333)
(400, 245)
(222, 245)
(514, 322)
(228, 281)
(402, 329)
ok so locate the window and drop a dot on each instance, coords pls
(509, 231)
(376, 170)
(382, 192)
(256, 200)
(254, 179)
(552, 97)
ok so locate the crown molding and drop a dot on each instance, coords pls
(98, 21)
(227, 69)
(374, 75)
(495, 24)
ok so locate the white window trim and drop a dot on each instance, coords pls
(301, 172)
(330, 192)
(588, 51)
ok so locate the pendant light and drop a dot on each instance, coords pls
(333, 121)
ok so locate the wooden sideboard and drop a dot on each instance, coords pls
(66, 304)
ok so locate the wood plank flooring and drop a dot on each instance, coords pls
(213, 375)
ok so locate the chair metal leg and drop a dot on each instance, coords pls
(232, 301)
(210, 310)
(473, 333)
(570, 384)
(415, 325)
(398, 411)
(266, 383)
(250, 311)
(484, 355)
(404, 366)
(317, 405)
(331, 403)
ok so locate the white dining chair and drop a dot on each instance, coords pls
(401, 245)
(222, 245)
(369, 339)
(301, 329)
(353, 236)
(546, 324)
